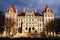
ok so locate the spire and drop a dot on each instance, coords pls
(12, 6)
(47, 9)
(35, 10)
(46, 6)
(24, 10)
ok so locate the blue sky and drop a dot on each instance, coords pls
(38, 4)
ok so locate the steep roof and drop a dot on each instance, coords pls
(12, 6)
(46, 9)
(38, 14)
(21, 14)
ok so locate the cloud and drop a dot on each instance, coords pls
(38, 4)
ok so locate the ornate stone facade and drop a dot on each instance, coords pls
(32, 21)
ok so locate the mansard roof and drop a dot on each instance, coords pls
(23, 14)
(38, 14)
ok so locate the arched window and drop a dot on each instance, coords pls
(29, 14)
(26, 28)
(40, 24)
(33, 28)
(48, 15)
(45, 15)
(48, 10)
(11, 10)
(51, 15)
(13, 15)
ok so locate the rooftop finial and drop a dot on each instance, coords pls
(24, 10)
(46, 6)
(35, 10)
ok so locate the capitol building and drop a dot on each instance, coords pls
(29, 21)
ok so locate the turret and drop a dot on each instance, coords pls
(24, 10)
(35, 10)
(48, 15)
(11, 12)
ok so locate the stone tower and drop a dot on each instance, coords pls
(48, 15)
(12, 13)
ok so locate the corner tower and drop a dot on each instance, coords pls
(11, 12)
(48, 15)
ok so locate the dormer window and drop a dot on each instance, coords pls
(10, 10)
(48, 10)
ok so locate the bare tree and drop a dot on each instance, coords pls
(53, 26)
(1, 22)
(9, 24)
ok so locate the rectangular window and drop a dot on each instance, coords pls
(46, 20)
(51, 15)
(40, 19)
(45, 15)
(32, 19)
(13, 15)
(40, 29)
(21, 19)
(26, 14)
(48, 15)
(37, 19)
(26, 23)
(17, 20)
(40, 24)
(29, 20)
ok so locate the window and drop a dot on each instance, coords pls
(38, 19)
(32, 19)
(29, 19)
(51, 15)
(19, 30)
(10, 10)
(13, 15)
(10, 15)
(48, 10)
(45, 15)
(16, 19)
(29, 14)
(46, 20)
(32, 14)
(21, 19)
(42, 19)
(26, 28)
(33, 23)
(26, 14)
(40, 24)
(48, 15)
(13, 19)
(26, 23)
(51, 19)
(33, 28)
(40, 29)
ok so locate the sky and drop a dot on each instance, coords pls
(28, 4)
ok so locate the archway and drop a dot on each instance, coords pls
(29, 29)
